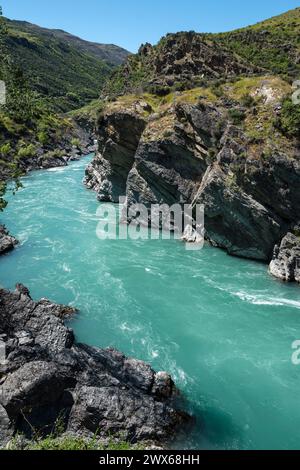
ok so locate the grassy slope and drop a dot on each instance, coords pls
(70, 443)
(112, 54)
(273, 44)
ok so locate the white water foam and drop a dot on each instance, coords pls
(257, 299)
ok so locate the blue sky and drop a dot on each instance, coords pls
(129, 23)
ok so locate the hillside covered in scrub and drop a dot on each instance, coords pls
(67, 70)
(193, 119)
(273, 44)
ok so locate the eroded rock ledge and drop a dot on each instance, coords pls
(47, 375)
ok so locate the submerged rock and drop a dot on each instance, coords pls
(286, 260)
(7, 242)
(191, 235)
(46, 375)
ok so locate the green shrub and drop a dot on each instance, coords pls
(289, 120)
(57, 153)
(217, 90)
(65, 443)
(26, 151)
(75, 142)
(248, 101)
(5, 149)
(159, 90)
(237, 116)
(43, 137)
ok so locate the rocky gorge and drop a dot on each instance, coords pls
(185, 135)
(209, 119)
(189, 148)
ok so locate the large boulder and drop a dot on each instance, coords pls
(285, 264)
(7, 242)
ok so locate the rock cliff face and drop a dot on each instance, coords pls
(188, 55)
(45, 375)
(194, 153)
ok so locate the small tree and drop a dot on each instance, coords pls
(289, 121)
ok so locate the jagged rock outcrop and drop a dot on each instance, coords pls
(45, 375)
(234, 220)
(7, 242)
(186, 55)
(286, 259)
(178, 61)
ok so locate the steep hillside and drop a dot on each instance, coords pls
(67, 70)
(188, 59)
(179, 61)
(38, 73)
(273, 44)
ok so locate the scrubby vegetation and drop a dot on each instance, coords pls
(57, 439)
(27, 121)
(272, 44)
(88, 115)
(70, 443)
(260, 105)
(289, 120)
(133, 76)
(237, 116)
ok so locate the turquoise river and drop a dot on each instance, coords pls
(221, 326)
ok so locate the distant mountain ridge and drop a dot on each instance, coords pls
(63, 68)
(111, 53)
